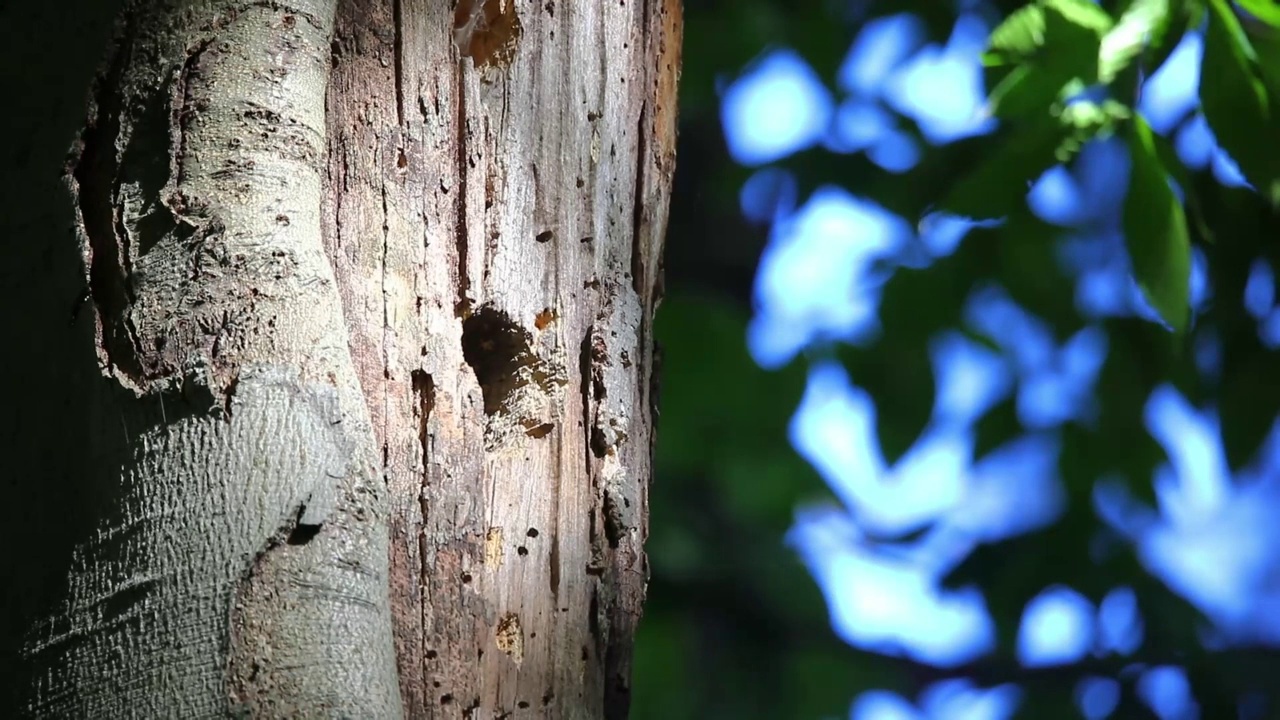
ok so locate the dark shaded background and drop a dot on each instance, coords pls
(735, 627)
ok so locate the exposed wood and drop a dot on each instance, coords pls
(498, 183)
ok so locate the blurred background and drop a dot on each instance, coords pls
(918, 465)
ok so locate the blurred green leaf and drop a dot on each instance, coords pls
(1155, 231)
(1053, 24)
(1074, 30)
(1183, 179)
(1265, 10)
(1082, 14)
(1040, 51)
(1237, 102)
(1142, 25)
(1088, 121)
(1267, 47)
(1025, 91)
(999, 185)
(1249, 401)
(821, 680)
(1017, 37)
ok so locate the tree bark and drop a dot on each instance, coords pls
(348, 409)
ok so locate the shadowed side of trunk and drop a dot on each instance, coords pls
(233, 553)
(339, 357)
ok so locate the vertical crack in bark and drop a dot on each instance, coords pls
(639, 250)
(584, 366)
(397, 12)
(424, 387)
(463, 307)
(644, 25)
(614, 524)
(93, 171)
(386, 321)
(424, 391)
(554, 559)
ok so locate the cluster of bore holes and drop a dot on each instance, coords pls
(500, 353)
(448, 698)
(523, 550)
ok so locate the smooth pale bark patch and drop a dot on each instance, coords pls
(240, 562)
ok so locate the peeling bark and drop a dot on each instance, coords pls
(362, 363)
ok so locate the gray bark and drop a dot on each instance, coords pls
(332, 392)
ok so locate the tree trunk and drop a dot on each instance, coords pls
(328, 391)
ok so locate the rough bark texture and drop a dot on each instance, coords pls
(338, 357)
(498, 180)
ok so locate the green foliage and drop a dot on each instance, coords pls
(1073, 37)
(1039, 62)
(997, 187)
(1040, 51)
(1047, 55)
(728, 598)
(1155, 230)
(1265, 10)
(1239, 106)
(1142, 25)
(1068, 42)
(1267, 46)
